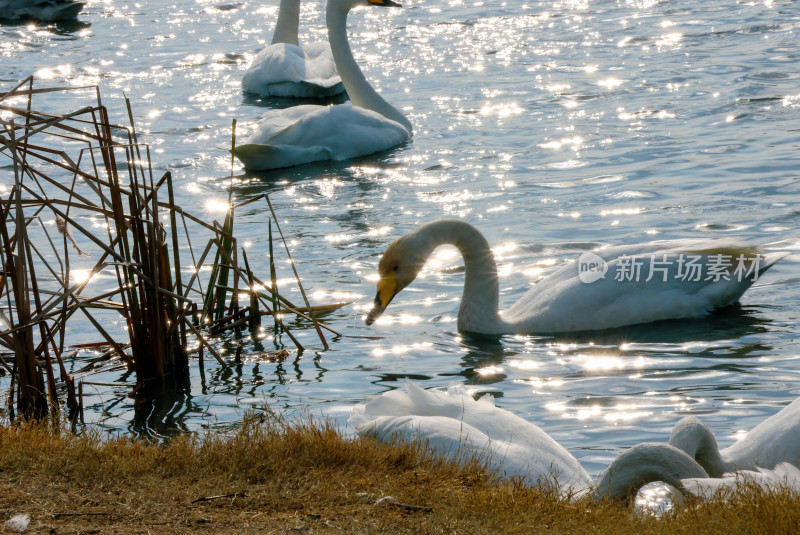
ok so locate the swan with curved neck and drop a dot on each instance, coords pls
(453, 425)
(285, 69)
(40, 10)
(775, 440)
(308, 133)
(566, 300)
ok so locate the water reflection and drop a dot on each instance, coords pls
(162, 409)
(249, 99)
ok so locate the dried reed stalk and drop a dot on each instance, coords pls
(94, 179)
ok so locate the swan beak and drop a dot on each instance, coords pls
(387, 289)
(384, 3)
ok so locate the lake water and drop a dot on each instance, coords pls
(554, 127)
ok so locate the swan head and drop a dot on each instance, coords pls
(399, 265)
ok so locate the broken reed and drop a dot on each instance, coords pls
(78, 167)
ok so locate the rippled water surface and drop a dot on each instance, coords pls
(554, 127)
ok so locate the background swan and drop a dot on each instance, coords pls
(563, 302)
(453, 425)
(40, 10)
(309, 133)
(775, 440)
(284, 69)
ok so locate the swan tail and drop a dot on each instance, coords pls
(262, 157)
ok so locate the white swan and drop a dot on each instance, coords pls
(284, 69)
(453, 425)
(40, 10)
(775, 440)
(310, 133)
(563, 302)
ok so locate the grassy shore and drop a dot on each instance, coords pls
(269, 477)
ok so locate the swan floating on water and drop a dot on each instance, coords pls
(608, 288)
(284, 69)
(774, 441)
(309, 133)
(453, 425)
(40, 10)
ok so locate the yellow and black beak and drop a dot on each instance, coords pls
(384, 3)
(387, 289)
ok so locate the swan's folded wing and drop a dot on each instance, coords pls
(641, 285)
(280, 62)
(320, 67)
(784, 476)
(773, 441)
(308, 133)
(455, 422)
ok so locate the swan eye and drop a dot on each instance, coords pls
(395, 268)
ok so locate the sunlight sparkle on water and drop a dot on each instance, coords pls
(216, 206)
(489, 370)
(524, 364)
(593, 363)
(79, 276)
(536, 382)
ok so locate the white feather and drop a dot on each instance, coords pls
(18, 522)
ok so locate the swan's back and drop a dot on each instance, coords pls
(287, 70)
(564, 302)
(783, 476)
(773, 441)
(455, 425)
(309, 133)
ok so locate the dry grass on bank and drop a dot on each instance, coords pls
(307, 479)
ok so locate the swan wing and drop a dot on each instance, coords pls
(285, 70)
(308, 133)
(642, 283)
(515, 447)
(773, 441)
(784, 476)
(320, 67)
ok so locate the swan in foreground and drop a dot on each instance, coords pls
(608, 288)
(310, 133)
(453, 425)
(284, 69)
(784, 476)
(775, 440)
(40, 10)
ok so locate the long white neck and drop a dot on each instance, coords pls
(696, 439)
(288, 23)
(358, 89)
(478, 311)
(643, 464)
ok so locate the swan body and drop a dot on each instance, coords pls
(784, 476)
(774, 441)
(304, 134)
(284, 69)
(40, 10)
(453, 425)
(566, 301)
